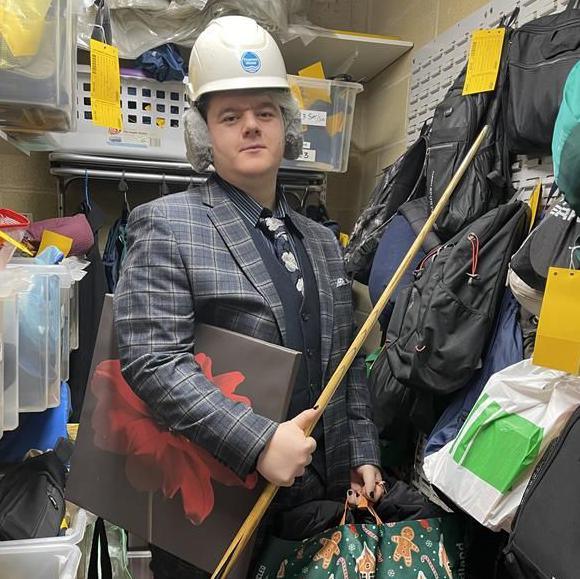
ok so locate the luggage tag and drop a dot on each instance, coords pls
(484, 60)
(105, 86)
(558, 336)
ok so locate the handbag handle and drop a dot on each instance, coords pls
(100, 546)
(363, 505)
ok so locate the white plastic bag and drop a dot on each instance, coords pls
(486, 469)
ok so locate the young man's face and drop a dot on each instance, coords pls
(247, 133)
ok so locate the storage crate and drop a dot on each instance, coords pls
(153, 113)
(152, 120)
(48, 562)
(49, 558)
(37, 65)
(73, 535)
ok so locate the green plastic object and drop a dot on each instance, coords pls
(566, 141)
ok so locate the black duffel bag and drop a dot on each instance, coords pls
(542, 53)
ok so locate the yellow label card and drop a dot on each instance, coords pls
(558, 337)
(313, 71)
(105, 85)
(484, 60)
(61, 242)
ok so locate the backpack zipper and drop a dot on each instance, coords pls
(543, 63)
(549, 27)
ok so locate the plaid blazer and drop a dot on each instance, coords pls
(190, 258)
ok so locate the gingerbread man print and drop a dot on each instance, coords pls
(329, 550)
(405, 546)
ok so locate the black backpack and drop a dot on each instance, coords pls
(541, 55)
(545, 533)
(32, 502)
(399, 183)
(551, 244)
(440, 325)
(451, 307)
(456, 123)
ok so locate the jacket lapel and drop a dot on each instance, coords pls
(316, 255)
(232, 229)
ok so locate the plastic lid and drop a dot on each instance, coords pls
(27, 265)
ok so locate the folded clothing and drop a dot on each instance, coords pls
(76, 227)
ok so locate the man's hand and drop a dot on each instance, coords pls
(365, 480)
(289, 451)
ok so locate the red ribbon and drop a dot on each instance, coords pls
(156, 457)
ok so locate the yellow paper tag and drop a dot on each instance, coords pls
(484, 60)
(313, 71)
(535, 202)
(72, 430)
(344, 238)
(296, 92)
(57, 240)
(558, 336)
(22, 24)
(105, 85)
(310, 95)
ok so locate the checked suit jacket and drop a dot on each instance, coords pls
(190, 259)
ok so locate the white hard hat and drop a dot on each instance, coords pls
(232, 53)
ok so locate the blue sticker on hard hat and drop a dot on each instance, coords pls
(251, 62)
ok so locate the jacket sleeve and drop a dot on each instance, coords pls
(155, 324)
(364, 440)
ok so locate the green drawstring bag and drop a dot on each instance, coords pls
(566, 141)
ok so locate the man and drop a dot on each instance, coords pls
(233, 254)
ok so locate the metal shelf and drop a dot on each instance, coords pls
(70, 167)
(361, 56)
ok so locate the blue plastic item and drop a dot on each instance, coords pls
(38, 430)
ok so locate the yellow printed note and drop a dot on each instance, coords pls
(57, 240)
(105, 85)
(484, 60)
(558, 336)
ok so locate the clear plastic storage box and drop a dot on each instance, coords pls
(153, 113)
(37, 64)
(10, 285)
(39, 327)
(50, 557)
(327, 108)
(39, 561)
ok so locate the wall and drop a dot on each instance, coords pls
(382, 108)
(26, 185)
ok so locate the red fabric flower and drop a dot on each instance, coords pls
(156, 457)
